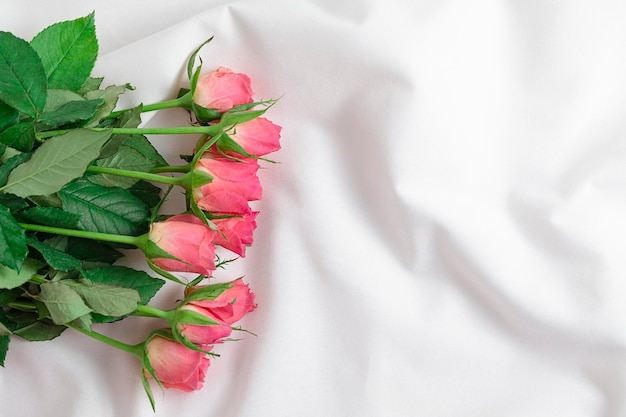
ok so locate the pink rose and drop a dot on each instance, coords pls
(203, 334)
(231, 305)
(222, 90)
(175, 365)
(236, 233)
(234, 184)
(258, 136)
(187, 238)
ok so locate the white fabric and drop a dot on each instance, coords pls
(444, 234)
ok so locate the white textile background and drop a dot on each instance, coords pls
(444, 234)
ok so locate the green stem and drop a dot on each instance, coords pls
(106, 237)
(184, 102)
(147, 311)
(171, 168)
(136, 350)
(182, 130)
(37, 279)
(134, 174)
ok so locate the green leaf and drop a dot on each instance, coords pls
(134, 154)
(51, 200)
(106, 299)
(58, 97)
(20, 136)
(8, 116)
(59, 160)
(4, 348)
(104, 209)
(4, 331)
(57, 259)
(23, 82)
(121, 276)
(91, 84)
(39, 331)
(71, 112)
(110, 95)
(10, 278)
(68, 51)
(4, 326)
(13, 248)
(51, 216)
(62, 301)
(83, 322)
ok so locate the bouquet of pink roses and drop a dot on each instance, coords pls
(81, 184)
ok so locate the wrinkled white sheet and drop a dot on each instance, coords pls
(445, 233)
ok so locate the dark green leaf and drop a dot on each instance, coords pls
(143, 146)
(20, 136)
(10, 278)
(121, 276)
(130, 118)
(13, 202)
(71, 112)
(13, 248)
(23, 83)
(68, 51)
(63, 303)
(90, 251)
(104, 209)
(4, 348)
(146, 192)
(106, 299)
(15, 319)
(10, 165)
(40, 330)
(59, 160)
(55, 258)
(6, 296)
(51, 216)
(8, 116)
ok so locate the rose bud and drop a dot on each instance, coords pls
(233, 185)
(257, 137)
(203, 334)
(175, 365)
(187, 238)
(222, 90)
(230, 305)
(235, 233)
